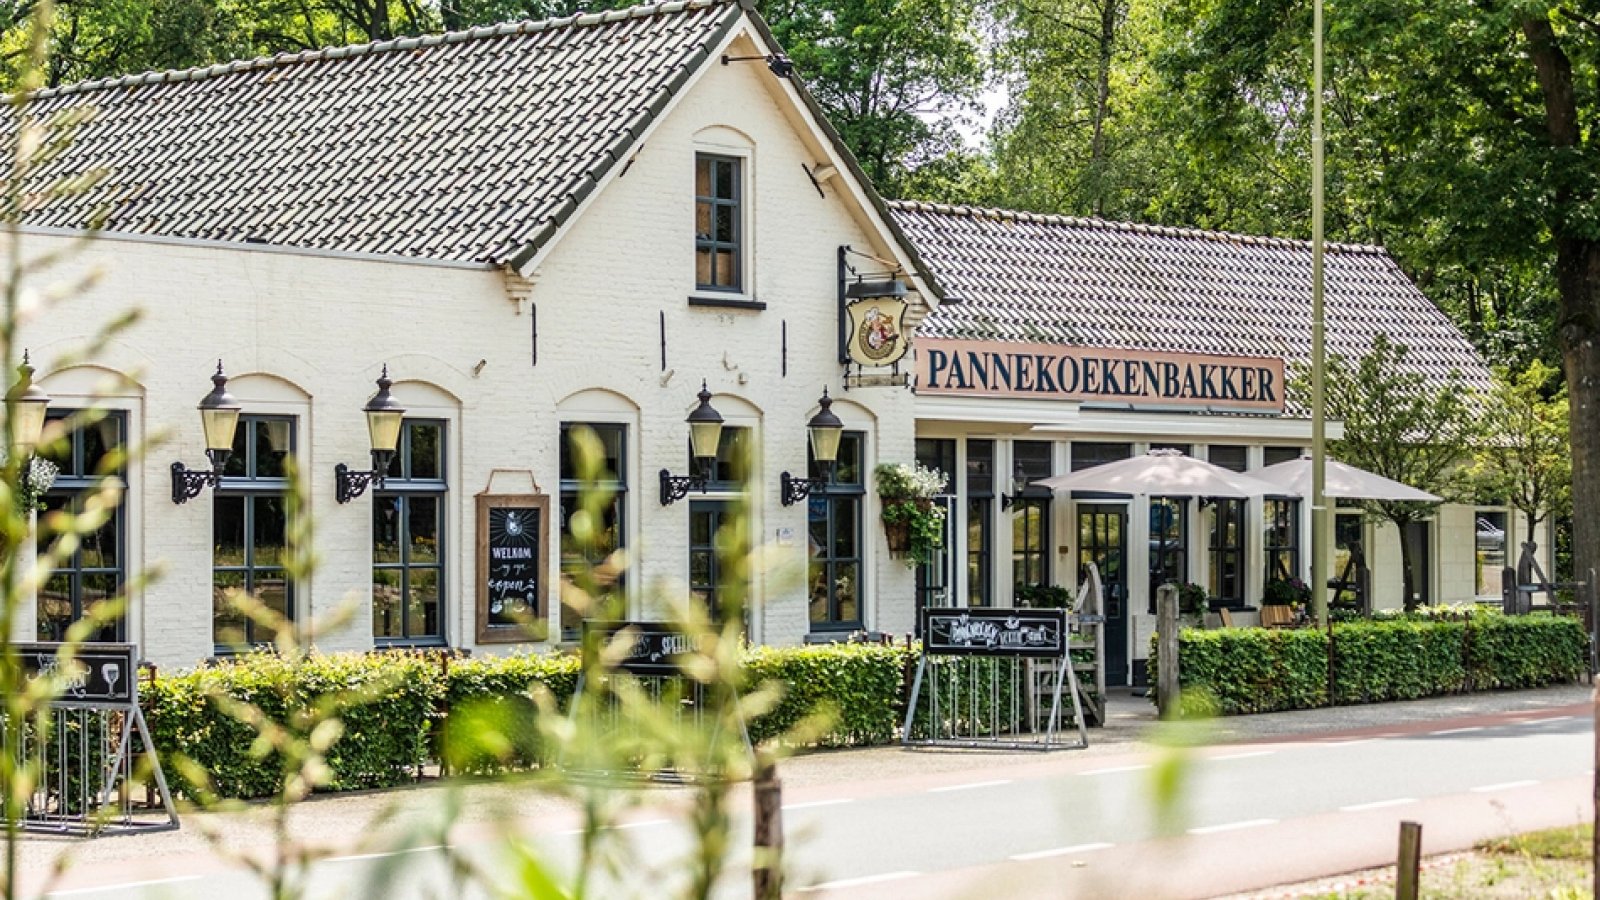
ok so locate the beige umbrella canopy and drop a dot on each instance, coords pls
(1341, 481)
(1161, 473)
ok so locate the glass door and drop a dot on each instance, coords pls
(713, 523)
(1103, 541)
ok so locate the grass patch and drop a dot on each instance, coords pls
(1573, 842)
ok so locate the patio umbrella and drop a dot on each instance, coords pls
(1161, 473)
(1342, 481)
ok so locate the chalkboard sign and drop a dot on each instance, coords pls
(995, 632)
(513, 563)
(655, 649)
(98, 673)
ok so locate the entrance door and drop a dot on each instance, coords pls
(1103, 540)
(1416, 538)
(707, 518)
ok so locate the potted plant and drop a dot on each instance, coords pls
(912, 522)
(1043, 596)
(1191, 598)
(1286, 592)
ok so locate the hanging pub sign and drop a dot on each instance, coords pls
(1133, 377)
(512, 562)
(97, 673)
(1038, 633)
(877, 331)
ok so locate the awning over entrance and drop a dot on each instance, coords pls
(1161, 473)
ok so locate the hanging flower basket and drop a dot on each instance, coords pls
(913, 524)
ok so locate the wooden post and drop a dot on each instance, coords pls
(1408, 867)
(1167, 651)
(766, 791)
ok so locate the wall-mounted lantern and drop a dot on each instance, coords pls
(28, 404)
(384, 415)
(705, 434)
(823, 432)
(219, 418)
(1019, 484)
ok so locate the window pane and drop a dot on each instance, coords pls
(1275, 455)
(726, 172)
(1490, 552)
(99, 547)
(386, 529)
(727, 274)
(724, 218)
(272, 589)
(702, 221)
(98, 439)
(702, 176)
(55, 607)
(228, 624)
(427, 458)
(980, 468)
(845, 516)
(386, 587)
(271, 530)
(272, 448)
(422, 613)
(817, 577)
(227, 529)
(424, 520)
(847, 581)
(97, 588)
(1228, 456)
(702, 267)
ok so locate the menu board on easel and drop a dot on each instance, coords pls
(512, 567)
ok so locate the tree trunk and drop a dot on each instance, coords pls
(1408, 592)
(1578, 277)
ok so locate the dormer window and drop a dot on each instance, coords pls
(718, 228)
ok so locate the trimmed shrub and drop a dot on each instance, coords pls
(386, 723)
(859, 685)
(490, 723)
(1249, 670)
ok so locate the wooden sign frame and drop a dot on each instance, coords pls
(538, 627)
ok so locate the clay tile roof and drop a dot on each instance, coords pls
(1015, 276)
(473, 146)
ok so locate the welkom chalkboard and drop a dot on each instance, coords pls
(1038, 633)
(513, 555)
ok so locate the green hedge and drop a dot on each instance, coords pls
(1249, 670)
(386, 724)
(859, 685)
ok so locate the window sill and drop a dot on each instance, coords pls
(414, 644)
(726, 302)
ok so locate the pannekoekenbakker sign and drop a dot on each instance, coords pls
(995, 632)
(1138, 378)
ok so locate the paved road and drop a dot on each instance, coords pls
(1296, 804)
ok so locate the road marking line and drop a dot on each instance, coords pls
(1351, 742)
(964, 787)
(1377, 804)
(1458, 730)
(1061, 851)
(1250, 754)
(815, 803)
(384, 853)
(644, 824)
(123, 886)
(1116, 770)
(1233, 826)
(1546, 721)
(1504, 786)
(859, 882)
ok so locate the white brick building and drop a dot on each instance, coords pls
(537, 226)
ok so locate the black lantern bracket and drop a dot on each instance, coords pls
(677, 487)
(187, 483)
(792, 490)
(350, 484)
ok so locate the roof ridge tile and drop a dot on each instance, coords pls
(1159, 230)
(409, 42)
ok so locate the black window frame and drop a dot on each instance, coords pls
(1281, 516)
(570, 621)
(980, 474)
(1226, 551)
(1160, 554)
(74, 480)
(708, 243)
(401, 484)
(1031, 515)
(844, 486)
(241, 478)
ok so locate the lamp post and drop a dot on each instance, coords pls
(28, 403)
(705, 434)
(823, 432)
(384, 417)
(219, 419)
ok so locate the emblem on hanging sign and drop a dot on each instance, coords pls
(877, 331)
